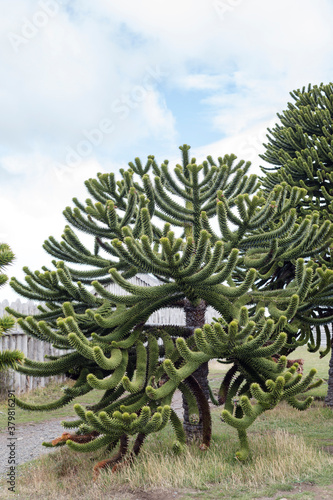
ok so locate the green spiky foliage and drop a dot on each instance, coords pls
(299, 147)
(209, 240)
(8, 359)
(248, 344)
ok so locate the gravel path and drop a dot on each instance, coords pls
(28, 442)
(29, 438)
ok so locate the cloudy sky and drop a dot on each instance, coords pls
(87, 86)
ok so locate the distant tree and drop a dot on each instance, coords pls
(301, 149)
(8, 359)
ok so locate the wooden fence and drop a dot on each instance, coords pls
(31, 347)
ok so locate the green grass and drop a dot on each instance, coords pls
(50, 393)
(312, 360)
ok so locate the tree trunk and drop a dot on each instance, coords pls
(195, 317)
(329, 397)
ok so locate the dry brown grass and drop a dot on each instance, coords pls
(273, 460)
(277, 457)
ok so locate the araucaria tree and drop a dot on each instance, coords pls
(300, 148)
(209, 240)
(8, 359)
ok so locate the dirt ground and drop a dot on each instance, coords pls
(304, 490)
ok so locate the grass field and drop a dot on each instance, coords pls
(291, 458)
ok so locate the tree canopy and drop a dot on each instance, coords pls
(211, 237)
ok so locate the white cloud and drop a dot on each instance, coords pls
(31, 212)
(201, 81)
(245, 145)
(67, 76)
(64, 80)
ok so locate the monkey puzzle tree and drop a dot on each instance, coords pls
(8, 359)
(300, 148)
(210, 241)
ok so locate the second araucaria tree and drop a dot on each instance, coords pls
(300, 150)
(210, 239)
